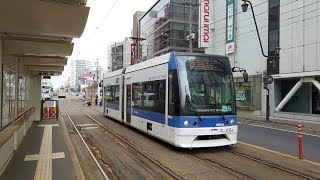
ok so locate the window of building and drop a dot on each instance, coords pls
(21, 95)
(273, 35)
(9, 110)
(315, 100)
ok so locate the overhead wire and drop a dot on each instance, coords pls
(98, 26)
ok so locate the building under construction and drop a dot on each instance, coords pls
(165, 27)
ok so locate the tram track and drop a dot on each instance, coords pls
(207, 162)
(211, 162)
(170, 172)
(270, 164)
(222, 167)
(87, 147)
(231, 171)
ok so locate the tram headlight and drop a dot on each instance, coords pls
(231, 121)
(186, 123)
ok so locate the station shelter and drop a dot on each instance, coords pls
(35, 40)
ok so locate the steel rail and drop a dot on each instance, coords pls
(276, 166)
(169, 171)
(93, 157)
(223, 168)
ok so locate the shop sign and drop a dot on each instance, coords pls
(204, 23)
(243, 94)
(230, 9)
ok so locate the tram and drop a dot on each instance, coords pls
(46, 92)
(62, 93)
(187, 100)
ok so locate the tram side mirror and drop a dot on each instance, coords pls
(243, 71)
(245, 76)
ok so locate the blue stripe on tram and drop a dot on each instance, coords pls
(150, 115)
(114, 106)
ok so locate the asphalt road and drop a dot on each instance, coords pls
(281, 141)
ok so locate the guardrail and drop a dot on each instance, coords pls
(12, 136)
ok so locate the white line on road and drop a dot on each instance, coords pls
(281, 130)
(89, 128)
(45, 156)
(81, 125)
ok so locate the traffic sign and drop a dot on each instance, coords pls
(269, 79)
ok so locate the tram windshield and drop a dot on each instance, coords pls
(45, 89)
(206, 86)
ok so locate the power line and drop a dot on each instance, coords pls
(102, 21)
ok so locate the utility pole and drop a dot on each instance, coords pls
(190, 27)
(97, 69)
(191, 35)
(267, 79)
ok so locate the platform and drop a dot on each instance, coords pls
(45, 153)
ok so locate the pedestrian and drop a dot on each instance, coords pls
(96, 100)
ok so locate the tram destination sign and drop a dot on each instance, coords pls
(201, 64)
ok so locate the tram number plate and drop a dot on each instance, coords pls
(226, 130)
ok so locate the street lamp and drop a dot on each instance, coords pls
(244, 7)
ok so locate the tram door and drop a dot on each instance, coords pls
(128, 109)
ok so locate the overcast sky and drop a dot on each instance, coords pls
(105, 25)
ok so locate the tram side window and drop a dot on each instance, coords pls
(137, 95)
(112, 94)
(150, 96)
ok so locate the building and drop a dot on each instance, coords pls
(119, 55)
(135, 23)
(165, 27)
(79, 67)
(293, 26)
(135, 37)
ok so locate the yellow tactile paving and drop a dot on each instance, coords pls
(45, 156)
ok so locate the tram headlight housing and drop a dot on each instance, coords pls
(231, 121)
(186, 123)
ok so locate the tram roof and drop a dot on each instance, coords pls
(150, 62)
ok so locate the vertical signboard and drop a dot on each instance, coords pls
(204, 23)
(230, 9)
(244, 94)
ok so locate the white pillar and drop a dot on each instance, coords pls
(316, 83)
(289, 95)
(36, 97)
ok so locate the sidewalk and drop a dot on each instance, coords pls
(309, 126)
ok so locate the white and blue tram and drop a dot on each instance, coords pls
(185, 99)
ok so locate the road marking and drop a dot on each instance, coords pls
(89, 128)
(45, 156)
(287, 119)
(281, 130)
(81, 125)
(278, 153)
